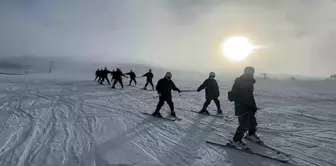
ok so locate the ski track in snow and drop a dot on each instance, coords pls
(70, 123)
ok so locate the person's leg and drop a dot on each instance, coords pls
(151, 82)
(171, 106)
(217, 102)
(108, 81)
(114, 83)
(242, 128)
(121, 83)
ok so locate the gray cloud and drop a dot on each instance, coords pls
(298, 35)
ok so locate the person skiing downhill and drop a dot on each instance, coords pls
(245, 107)
(149, 76)
(118, 78)
(132, 76)
(97, 74)
(164, 87)
(104, 76)
(211, 93)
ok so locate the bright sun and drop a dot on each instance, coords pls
(237, 48)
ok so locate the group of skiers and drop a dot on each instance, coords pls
(102, 75)
(241, 94)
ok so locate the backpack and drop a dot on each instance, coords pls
(232, 95)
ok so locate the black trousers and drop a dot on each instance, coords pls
(247, 122)
(103, 79)
(208, 101)
(120, 82)
(132, 79)
(149, 82)
(161, 103)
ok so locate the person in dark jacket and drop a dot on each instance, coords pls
(97, 74)
(211, 93)
(118, 78)
(104, 76)
(164, 87)
(245, 107)
(132, 76)
(113, 75)
(149, 76)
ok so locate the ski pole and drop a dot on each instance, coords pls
(227, 121)
(188, 90)
(153, 99)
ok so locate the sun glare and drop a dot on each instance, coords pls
(237, 48)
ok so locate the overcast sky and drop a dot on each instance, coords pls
(298, 35)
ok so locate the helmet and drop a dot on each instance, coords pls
(168, 75)
(212, 74)
(249, 70)
(150, 70)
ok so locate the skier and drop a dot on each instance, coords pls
(149, 76)
(97, 74)
(100, 75)
(164, 87)
(211, 93)
(132, 76)
(118, 78)
(104, 74)
(245, 107)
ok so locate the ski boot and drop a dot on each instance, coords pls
(157, 114)
(113, 87)
(239, 144)
(173, 114)
(204, 111)
(253, 138)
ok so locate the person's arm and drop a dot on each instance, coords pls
(203, 86)
(175, 88)
(158, 87)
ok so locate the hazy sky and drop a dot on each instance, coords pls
(299, 35)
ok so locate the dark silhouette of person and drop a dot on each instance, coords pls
(118, 78)
(164, 87)
(104, 77)
(211, 93)
(132, 77)
(245, 107)
(149, 80)
(97, 74)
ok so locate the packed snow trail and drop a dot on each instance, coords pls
(62, 122)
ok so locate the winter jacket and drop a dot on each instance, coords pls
(242, 90)
(164, 87)
(118, 74)
(149, 76)
(131, 74)
(104, 73)
(211, 89)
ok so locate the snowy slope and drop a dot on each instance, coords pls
(47, 120)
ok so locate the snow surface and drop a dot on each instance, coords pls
(48, 120)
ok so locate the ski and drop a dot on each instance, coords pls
(229, 145)
(216, 115)
(146, 89)
(165, 118)
(261, 143)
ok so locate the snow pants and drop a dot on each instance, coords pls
(247, 122)
(208, 101)
(103, 79)
(120, 82)
(132, 79)
(149, 82)
(163, 99)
